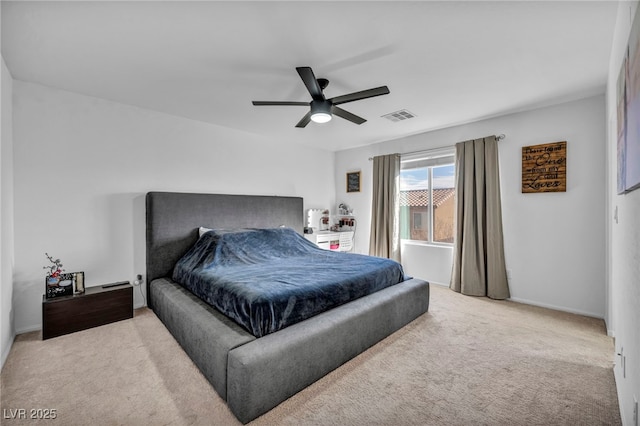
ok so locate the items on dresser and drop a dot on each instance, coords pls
(331, 232)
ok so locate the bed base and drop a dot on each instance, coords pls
(255, 375)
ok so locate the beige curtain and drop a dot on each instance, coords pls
(384, 240)
(478, 256)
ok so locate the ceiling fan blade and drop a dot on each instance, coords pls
(309, 79)
(280, 103)
(347, 115)
(356, 96)
(305, 120)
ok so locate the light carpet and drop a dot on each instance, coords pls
(468, 361)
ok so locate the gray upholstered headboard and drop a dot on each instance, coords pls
(173, 220)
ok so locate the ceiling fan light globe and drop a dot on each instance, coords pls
(320, 117)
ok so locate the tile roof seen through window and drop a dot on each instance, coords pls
(420, 197)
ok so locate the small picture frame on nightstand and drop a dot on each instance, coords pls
(64, 285)
(353, 181)
(78, 282)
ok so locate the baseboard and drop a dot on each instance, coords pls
(545, 305)
(557, 308)
(438, 284)
(29, 329)
(621, 398)
(5, 353)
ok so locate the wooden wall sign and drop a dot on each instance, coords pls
(544, 167)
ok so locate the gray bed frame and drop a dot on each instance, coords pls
(255, 375)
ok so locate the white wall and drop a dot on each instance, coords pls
(554, 242)
(7, 331)
(82, 167)
(623, 241)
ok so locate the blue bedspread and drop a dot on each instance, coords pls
(268, 279)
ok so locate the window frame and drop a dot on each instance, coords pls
(429, 159)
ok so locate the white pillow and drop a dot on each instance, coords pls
(203, 231)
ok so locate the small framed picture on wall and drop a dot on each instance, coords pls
(353, 182)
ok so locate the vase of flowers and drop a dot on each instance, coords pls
(55, 269)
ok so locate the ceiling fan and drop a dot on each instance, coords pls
(322, 108)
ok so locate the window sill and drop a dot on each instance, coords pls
(426, 244)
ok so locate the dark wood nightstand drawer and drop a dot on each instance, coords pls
(96, 306)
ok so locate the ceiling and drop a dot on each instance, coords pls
(446, 62)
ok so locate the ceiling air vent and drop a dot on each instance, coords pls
(403, 114)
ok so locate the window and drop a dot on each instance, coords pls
(427, 196)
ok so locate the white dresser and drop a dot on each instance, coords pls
(332, 240)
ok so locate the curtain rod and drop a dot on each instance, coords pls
(498, 138)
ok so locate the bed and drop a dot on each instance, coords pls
(254, 374)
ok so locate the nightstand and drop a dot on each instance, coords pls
(96, 306)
